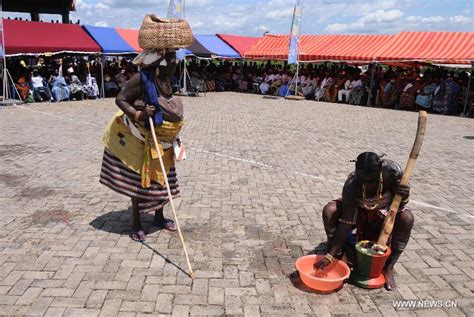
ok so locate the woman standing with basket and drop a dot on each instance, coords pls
(131, 161)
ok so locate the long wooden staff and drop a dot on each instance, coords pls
(390, 219)
(163, 170)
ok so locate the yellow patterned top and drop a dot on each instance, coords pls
(136, 148)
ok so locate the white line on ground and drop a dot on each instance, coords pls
(55, 115)
(420, 203)
(264, 165)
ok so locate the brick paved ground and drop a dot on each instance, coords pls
(258, 173)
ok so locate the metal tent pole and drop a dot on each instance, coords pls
(185, 73)
(241, 75)
(291, 83)
(296, 75)
(4, 83)
(13, 83)
(374, 64)
(102, 75)
(465, 112)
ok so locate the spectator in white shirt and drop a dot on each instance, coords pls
(356, 83)
(41, 89)
(265, 85)
(308, 87)
(327, 81)
(345, 92)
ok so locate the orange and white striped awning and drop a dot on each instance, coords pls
(346, 47)
(321, 47)
(273, 47)
(439, 47)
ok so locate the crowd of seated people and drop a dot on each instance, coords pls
(435, 89)
(438, 90)
(63, 79)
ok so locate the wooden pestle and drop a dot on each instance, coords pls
(390, 219)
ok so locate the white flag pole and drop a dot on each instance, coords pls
(295, 50)
(298, 49)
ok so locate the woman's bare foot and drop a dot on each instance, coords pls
(389, 279)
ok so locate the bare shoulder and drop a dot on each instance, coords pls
(392, 168)
(349, 185)
(132, 89)
(134, 80)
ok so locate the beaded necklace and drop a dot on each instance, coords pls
(366, 202)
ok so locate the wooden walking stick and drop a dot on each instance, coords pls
(165, 176)
(390, 219)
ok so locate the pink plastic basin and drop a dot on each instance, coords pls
(327, 280)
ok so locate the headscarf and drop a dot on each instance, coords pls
(148, 57)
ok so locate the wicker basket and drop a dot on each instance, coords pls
(158, 33)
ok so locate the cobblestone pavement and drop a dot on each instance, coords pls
(258, 174)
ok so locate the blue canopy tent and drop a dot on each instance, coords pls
(211, 46)
(111, 43)
(109, 40)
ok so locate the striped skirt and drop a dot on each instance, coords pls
(120, 178)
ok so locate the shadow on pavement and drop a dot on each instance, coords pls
(120, 222)
(321, 248)
(297, 283)
(166, 259)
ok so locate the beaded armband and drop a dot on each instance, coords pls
(329, 257)
(346, 222)
(137, 115)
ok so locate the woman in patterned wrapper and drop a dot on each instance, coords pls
(130, 165)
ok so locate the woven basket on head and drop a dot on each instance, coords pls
(158, 33)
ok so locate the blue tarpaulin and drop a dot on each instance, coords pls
(211, 46)
(109, 40)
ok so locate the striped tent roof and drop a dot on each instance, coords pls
(441, 47)
(346, 47)
(321, 47)
(273, 47)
